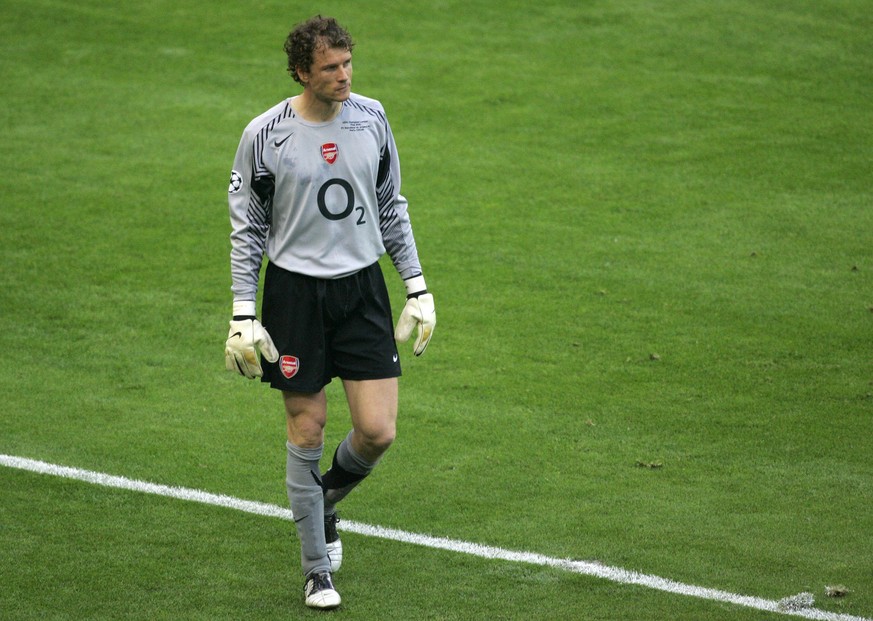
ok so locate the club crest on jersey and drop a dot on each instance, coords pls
(289, 365)
(329, 152)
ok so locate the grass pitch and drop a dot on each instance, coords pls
(648, 228)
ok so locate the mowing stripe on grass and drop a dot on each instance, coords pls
(587, 568)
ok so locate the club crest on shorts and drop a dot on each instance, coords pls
(329, 152)
(289, 365)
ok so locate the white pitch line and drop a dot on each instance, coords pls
(587, 568)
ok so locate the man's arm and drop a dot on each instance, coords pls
(250, 197)
(399, 242)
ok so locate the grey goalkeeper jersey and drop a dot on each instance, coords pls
(321, 199)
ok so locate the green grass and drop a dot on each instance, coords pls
(649, 231)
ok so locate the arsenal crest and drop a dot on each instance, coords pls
(289, 365)
(329, 152)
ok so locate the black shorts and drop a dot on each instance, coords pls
(327, 328)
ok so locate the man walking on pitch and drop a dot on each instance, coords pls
(315, 186)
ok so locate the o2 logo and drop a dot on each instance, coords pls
(350, 201)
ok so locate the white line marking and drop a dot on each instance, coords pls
(587, 568)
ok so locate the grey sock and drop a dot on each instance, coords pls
(349, 468)
(306, 497)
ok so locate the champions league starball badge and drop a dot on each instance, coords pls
(236, 182)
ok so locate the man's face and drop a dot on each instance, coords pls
(330, 76)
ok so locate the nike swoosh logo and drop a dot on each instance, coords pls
(301, 519)
(239, 334)
(279, 143)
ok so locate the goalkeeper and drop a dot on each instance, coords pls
(315, 187)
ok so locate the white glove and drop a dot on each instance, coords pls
(419, 311)
(245, 339)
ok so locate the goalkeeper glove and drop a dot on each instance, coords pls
(245, 339)
(418, 311)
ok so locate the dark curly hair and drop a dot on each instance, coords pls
(308, 36)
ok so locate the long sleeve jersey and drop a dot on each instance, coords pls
(321, 199)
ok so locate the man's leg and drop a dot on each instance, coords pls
(373, 407)
(306, 415)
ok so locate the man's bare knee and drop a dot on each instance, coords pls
(371, 442)
(379, 439)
